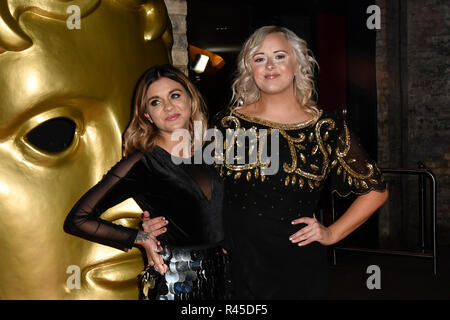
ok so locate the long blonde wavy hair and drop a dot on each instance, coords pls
(140, 133)
(245, 90)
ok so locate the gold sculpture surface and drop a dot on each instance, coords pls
(68, 71)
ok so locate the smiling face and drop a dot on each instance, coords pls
(64, 104)
(168, 106)
(273, 65)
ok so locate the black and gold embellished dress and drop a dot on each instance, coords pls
(189, 196)
(259, 208)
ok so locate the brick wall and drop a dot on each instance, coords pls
(177, 10)
(413, 99)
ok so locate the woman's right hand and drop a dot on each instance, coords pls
(150, 244)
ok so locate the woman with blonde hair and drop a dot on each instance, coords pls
(277, 246)
(186, 262)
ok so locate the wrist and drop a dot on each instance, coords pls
(332, 236)
(142, 238)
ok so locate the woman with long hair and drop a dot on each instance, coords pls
(187, 261)
(277, 246)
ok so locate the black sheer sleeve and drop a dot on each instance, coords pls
(119, 184)
(352, 170)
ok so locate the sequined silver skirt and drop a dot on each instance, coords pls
(194, 274)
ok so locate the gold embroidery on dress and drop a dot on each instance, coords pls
(295, 175)
(294, 143)
(350, 176)
(291, 142)
(226, 123)
(276, 125)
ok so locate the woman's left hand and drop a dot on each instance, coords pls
(313, 231)
(154, 226)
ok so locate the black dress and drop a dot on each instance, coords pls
(259, 208)
(189, 196)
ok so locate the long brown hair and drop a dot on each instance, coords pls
(140, 133)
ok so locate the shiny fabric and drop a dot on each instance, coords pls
(190, 196)
(194, 274)
(259, 209)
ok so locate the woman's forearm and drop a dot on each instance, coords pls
(141, 237)
(358, 213)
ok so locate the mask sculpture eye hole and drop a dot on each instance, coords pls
(54, 135)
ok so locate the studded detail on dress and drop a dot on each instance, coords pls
(312, 155)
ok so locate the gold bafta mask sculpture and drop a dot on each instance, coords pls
(67, 76)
